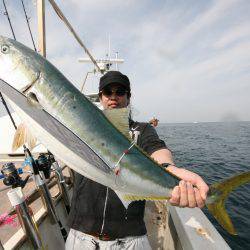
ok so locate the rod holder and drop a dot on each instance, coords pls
(62, 185)
(27, 221)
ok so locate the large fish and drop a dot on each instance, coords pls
(78, 133)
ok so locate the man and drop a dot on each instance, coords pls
(98, 219)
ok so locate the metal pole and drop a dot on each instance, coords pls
(62, 185)
(17, 200)
(41, 27)
(45, 195)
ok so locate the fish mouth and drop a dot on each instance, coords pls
(30, 85)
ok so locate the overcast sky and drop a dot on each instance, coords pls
(187, 60)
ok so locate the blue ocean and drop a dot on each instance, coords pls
(216, 150)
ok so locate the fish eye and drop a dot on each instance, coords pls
(5, 49)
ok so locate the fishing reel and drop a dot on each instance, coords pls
(44, 163)
(11, 176)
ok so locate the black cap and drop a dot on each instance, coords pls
(114, 77)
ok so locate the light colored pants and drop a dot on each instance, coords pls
(77, 240)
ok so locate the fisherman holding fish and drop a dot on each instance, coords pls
(114, 173)
(98, 218)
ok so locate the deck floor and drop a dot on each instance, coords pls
(156, 219)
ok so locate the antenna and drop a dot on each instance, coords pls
(109, 55)
(116, 57)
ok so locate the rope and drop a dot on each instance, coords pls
(64, 19)
(7, 14)
(28, 24)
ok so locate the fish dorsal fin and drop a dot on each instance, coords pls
(119, 118)
(22, 136)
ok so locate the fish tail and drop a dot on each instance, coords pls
(218, 193)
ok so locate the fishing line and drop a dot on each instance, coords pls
(7, 14)
(28, 24)
(3, 101)
(8, 111)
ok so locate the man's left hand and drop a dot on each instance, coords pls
(191, 191)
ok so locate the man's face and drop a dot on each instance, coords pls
(114, 96)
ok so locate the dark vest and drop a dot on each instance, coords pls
(88, 213)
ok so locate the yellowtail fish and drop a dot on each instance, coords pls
(82, 136)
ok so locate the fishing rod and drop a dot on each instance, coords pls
(61, 182)
(47, 163)
(11, 177)
(8, 111)
(43, 165)
(27, 21)
(41, 185)
(27, 221)
(8, 17)
(16, 197)
(28, 24)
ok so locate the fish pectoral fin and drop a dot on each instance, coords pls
(22, 136)
(32, 100)
(126, 199)
(119, 118)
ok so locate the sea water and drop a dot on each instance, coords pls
(216, 150)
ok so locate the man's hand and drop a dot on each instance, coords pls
(192, 190)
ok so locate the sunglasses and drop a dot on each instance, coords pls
(119, 91)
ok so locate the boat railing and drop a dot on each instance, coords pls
(191, 230)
